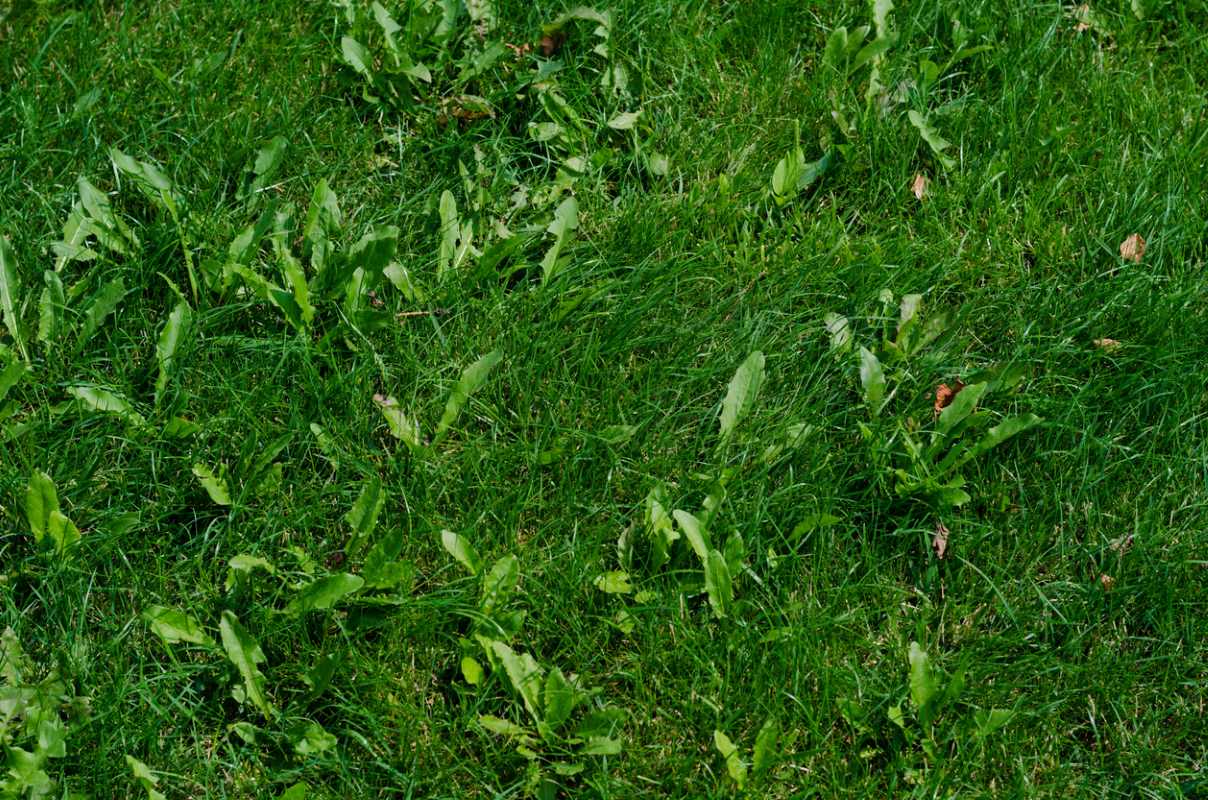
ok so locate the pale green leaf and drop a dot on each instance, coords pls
(872, 380)
(458, 547)
(401, 427)
(718, 584)
(173, 625)
(363, 515)
(104, 303)
(563, 227)
(324, 593)
(499, 583)
(615, 582)
(734, 764)
(937, 143)
(625, 120)
(41, 501)
(524, 673)
(51, 306)
(765, 745)
(10, 286)
(471, 670)
(694, 532)
(214, 482)
(560, 699)
(144, 778)
(175, 330)
(742, 392)
(103, 401)
(472, 379)
(245, 653)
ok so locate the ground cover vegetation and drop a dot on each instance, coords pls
(476, 398)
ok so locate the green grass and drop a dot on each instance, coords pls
(1066, 142)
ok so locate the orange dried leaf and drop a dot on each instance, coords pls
(1133, 248)
(940, 541)
(944, 394)
(920, 186)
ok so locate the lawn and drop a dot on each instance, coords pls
(767, 398)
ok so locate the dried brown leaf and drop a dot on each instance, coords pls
(939, 542)
(920, 186)
(1107, 581)
(944, 394)
(1107, 345)
(1133, 248)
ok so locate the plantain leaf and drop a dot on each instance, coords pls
(695, 533)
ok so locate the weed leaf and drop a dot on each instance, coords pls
(937, 143)
(718, 584)
(175, 329)
(472, 379)
(215, 483)
(872, 379)
(742, 392)
(695, 533)
(462, 551)
(734, 765)
(96, 399)
(10, 285)
(765, 745)
(401, 428)
(175, 626)
(144, 778)
(103, 304)
(245, 653)
(499, 583)
(566, 222)
(524, 674)
(363, 515)
(324, 593)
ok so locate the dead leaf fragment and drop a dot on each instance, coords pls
(1107, 581)
(1133, 248)
(940, 541)
(920, 186)
(1107, 345)
(944, 394)
(552, 43)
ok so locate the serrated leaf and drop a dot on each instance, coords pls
(988, 721)
(472, 379)
(324, 593)
(615, 582)
(245, 653)
(173, 625)
(10, 376)
(401, 428)
(145, 778)
(175, 329)
(718, 584)
(563, 227)
(104, 303)
(601, 746)
(94, 398)
(464, 552)
(937, 143)
(923, 682)
(363, 515)
(502, 727)
(962, 405)
(10, 286)
(765, 746)
(734, 765)
(560, 699)
(51, 305)
(742, 392)
(214, 483)
(625, 120)
(499, 583)
(524, 673)
(471, 670)
(312, 740)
